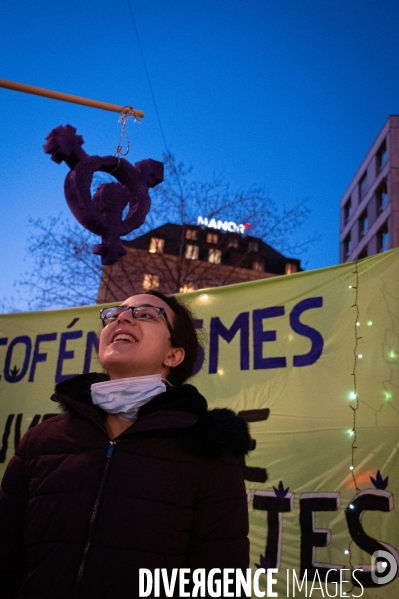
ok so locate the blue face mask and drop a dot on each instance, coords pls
(124, 397)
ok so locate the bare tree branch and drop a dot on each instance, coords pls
(65, 272)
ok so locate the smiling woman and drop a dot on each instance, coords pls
(137, 338)
(136, 473)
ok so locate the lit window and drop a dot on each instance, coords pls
(347, 210)
(192, 252)
(233, 242)
(150, 281)
(187, 287)
(258, 266)
(215, 256)
(363, 224)
(382, 196)
(382, 155)
(347, 246)
(383, 238)
(156, 245)
(290, 268)
(212, 238)
(191, 234)
(363, 187)
(253, 246)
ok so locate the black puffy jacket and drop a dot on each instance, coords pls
(80, 514)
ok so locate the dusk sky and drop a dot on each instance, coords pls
(285, 94)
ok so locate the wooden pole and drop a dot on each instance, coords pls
(48, 93)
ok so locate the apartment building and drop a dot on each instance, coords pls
(369, 221)
(180, 258)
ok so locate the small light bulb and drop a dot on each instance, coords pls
(351, 506)
(351, 467)
(358, 324)
(392, 354)
(369, 323)
(360, 356)
(346, 551)
(352, 395)
(350, 286)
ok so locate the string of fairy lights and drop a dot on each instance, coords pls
(354, 405)
(353, 395)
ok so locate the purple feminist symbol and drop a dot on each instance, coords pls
(102, 214)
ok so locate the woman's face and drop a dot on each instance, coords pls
(130, 347)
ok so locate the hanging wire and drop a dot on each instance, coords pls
(153, 96)
(175, 170)
(355, 403)
(148, 76)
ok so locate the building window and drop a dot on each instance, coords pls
(363, 187)
(187, 287)
(150, 281)
(191, 234)
(290, 268)
(382, 155)
(382, 196)
(347, 210)
(212, 238)
(347, 246)
(233, 242)
(156, 245)
(258, 266)
(363, 224)
(214, 256)
(192, 252)
(253, 246)
(383, 238)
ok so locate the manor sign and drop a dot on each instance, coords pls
(223, 225)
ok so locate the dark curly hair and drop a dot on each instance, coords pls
(184, 335)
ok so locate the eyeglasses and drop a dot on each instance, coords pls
(108, 315)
